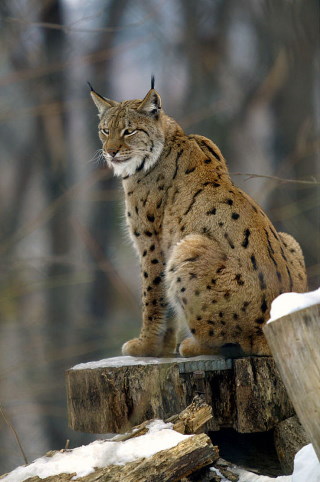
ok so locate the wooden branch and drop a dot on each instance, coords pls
(16, 436)
(115, 394)
(193, 418)
(295, 343)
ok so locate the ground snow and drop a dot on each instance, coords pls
(306, 469)
(101, 453)
(83, 460)
(306, 466)
(290, 302)
(245, 476)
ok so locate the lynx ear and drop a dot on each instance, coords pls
(151, 104)
(101, 102)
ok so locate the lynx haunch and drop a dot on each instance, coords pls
(211, 260)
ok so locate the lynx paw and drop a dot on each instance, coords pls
(190, 347)
(138, 347)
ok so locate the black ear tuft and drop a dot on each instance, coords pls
(151, 104)
(91, 88)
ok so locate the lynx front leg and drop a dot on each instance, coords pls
(154, 333)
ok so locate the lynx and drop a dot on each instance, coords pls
(211, 260)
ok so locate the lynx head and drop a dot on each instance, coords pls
(131, 132)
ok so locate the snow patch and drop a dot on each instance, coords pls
(101, 453)
(306, 465)
(290, 302)
(120, 361)
(251, 477)
(217, 472)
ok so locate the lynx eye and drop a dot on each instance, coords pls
(105, 131)
(128, 132)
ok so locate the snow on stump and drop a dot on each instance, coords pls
(294, 340)
(112, 395)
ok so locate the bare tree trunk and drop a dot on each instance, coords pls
(203, 71)
(101, 297)
(57, 178)
(291, 28)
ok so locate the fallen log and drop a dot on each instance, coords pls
(190, 421)
(171, 464)
(166, 465)
(294, 340)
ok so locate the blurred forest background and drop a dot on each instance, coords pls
(245, 74)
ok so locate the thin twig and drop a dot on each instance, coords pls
(14, 432)
(42, 70)
(313, 182)
(69, 28)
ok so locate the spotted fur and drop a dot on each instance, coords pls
(206, 249)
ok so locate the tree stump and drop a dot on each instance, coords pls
(295, 343)
(117, 393)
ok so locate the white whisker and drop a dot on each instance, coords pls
(98, 157)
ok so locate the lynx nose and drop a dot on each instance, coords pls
(112, 152)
